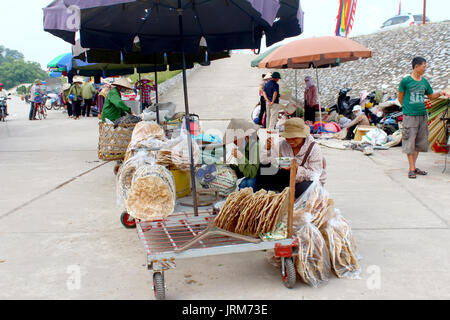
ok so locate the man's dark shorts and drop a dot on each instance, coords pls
(415, 134)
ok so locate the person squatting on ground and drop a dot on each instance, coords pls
(272, 95)
(310, 100)
(359, 120)
(411, 95)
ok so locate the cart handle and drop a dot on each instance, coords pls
(293, 169)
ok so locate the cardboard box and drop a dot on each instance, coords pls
(360, 131)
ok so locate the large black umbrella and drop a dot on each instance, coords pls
(108, 63)
(174, 26)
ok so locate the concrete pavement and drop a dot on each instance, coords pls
(60, 235)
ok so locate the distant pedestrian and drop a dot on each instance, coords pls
(66, 100)
(35, 88)
(145, 87)
(310, 100)
(88, 92)
(76, 95)
(272, 95)
(262, 117)
(411, 95)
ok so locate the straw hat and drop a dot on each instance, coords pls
(77, 79)
(295, 128)
(66, 86)
(238, 129)
(268, 76)
(122, 82)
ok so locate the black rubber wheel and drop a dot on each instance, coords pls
(127, 221)
(158, 286)
(290, 275)
(2, 115)
(44, 113)
(39, 111)
(57, 106)
(48, 107)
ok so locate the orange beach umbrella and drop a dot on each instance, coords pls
(318, 52)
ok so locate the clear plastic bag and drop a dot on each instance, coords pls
(153, 194)
(313, 260)
(315, 200)
(342, 247)
(126, 172)
(176, 151)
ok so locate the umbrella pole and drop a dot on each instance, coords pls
(318, 98)
(142, 104)
(186, 107)
(156, 92)
(296, 85)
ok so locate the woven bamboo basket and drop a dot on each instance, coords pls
(113, 142)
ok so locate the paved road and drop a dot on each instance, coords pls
(58, 216)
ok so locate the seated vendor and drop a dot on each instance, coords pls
(114, 107)
(298, 144)
(360, 119)
(243, 135)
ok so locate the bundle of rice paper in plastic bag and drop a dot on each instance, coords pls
(146, 129)
(176, 152)
(126, 173)
(146, 135)
(152, 195)
(317, 201)
(342, 247)
(313, 261)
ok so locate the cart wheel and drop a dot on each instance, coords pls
(290, 275)
(127, 221)
(158, 286)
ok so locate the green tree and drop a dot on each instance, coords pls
(15, 70)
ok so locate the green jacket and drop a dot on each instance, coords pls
(66, 96)
(87, 91)
(246, 169)
(114, 107)
(76, 91)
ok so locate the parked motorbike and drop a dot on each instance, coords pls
(344, 104)
(3, 102)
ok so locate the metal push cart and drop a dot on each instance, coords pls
(183, 235)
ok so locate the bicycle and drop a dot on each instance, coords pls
(41, 111)
(53, 105)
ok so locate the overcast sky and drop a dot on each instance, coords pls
(21, 22)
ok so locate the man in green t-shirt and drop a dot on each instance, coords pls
(412, 92)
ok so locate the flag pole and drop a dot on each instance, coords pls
(424, 10)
